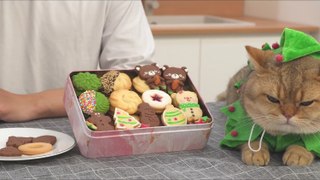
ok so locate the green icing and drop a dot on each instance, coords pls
(102, 103)
(176, 122)
(119, 121)
(91, 126)
(86, 81)
(188, 105)
(123, 117)
(172, 114)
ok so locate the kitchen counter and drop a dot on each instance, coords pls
(212, 162)
(261, 26)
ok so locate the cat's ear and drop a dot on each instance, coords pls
(257, 59)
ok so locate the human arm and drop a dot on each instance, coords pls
(25, 107)
(127, 39)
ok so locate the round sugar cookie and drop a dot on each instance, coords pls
(157, 99)
(35, 148)
(173, 116)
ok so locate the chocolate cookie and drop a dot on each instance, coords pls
(102, 122)
(148, 115)
(151, 74)
(17, 141)
(46, 139)
(10, 151)
(174, 78)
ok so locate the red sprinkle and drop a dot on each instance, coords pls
(234, 133)
(231, 108)
(275, 45)
(279, 58)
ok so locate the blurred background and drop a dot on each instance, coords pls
(208, 36)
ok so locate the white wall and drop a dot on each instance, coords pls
(302, 12)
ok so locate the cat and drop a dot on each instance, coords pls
(283, 99)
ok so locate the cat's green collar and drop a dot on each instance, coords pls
(238, 128)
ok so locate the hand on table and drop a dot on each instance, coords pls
(25, 107)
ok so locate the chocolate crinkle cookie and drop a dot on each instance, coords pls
(46, 139)
(17, 141)
(10, 151)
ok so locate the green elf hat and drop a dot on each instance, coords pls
(293, 45)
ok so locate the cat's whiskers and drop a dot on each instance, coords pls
(307, 126)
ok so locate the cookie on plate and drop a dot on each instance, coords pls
(10, 151)
(46, 139)
(16, 141)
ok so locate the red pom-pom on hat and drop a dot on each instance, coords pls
(231, 108)
(279, 58)
(234, 133)
(275, 45)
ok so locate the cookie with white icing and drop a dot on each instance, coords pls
(123, 120)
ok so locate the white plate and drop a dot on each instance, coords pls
(64, 142)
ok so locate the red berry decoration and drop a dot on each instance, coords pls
(279, 58)
(234, 133)
(144, 126)
(231, 108)
(200, 121)
(275, 45)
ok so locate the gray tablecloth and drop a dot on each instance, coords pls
(212, 162)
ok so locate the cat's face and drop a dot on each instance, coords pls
(283, 98)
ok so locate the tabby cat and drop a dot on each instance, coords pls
(283, 99)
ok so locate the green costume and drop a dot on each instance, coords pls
(293, 44)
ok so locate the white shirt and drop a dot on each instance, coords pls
(41, 42)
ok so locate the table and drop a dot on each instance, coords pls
(212, 162)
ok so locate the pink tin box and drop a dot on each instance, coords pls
(93, 144)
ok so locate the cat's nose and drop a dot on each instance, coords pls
(288, 111)
(288, 116)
